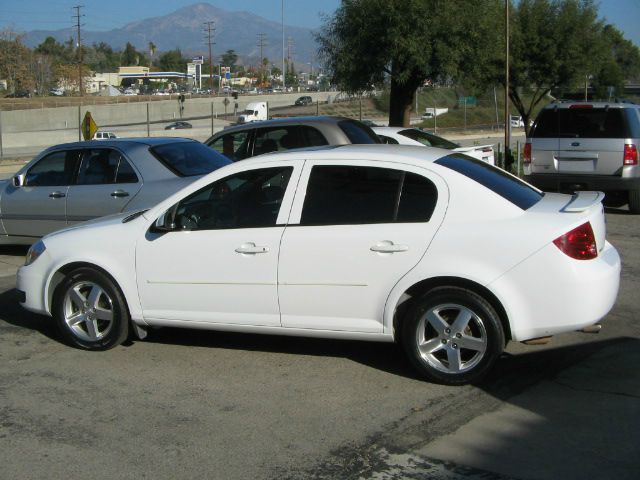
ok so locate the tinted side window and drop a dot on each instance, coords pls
(338, 195)
(235, 146)
(248, 199)
(507, 186)
(125, 173)
(98, 166)
(311, 137)
(358, 132)
(56, 169)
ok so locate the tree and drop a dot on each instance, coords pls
(369, 41)
(130, 56)
(554, 46)
(152, 52)
(172, 61)
(621, 62)
(229, 59)
(14, 61)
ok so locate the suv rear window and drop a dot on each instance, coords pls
(587, 123)
(358, 132)
(507, 186)
(187, 159)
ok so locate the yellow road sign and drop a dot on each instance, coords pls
(89, 127)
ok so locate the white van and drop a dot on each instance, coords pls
(104, 136)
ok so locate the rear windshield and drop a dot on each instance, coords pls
(187, 159)
(507, 186)
(428, 139)
(587, 123)
(358, 132)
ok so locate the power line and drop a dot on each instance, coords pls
(77, 17)
(209, 32)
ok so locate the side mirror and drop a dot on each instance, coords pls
(165, 223)
(19, 180)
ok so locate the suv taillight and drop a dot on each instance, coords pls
(579, 243)
(630, 154)
(527, 153)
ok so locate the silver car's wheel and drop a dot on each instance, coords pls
(452, 335)
(451, 338)
(90, 310)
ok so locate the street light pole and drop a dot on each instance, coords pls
(507, 119)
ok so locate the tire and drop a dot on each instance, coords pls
(634, 201)
(90, 310)
(452, 336)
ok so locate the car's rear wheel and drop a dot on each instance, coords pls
(452, 336)
(90, 310)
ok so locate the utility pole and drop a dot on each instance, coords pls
(209, 32)
(290, 53)
(507, 115)
(77, 17)
(284, 82)
(261, 44)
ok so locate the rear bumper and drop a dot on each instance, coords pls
(566, 295)
(569, 183)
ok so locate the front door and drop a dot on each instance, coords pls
(220, 264)
(38, 206)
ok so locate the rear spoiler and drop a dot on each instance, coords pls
(581, 201)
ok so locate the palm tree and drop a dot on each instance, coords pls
(152, 52)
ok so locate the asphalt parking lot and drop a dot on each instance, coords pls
(197, 404)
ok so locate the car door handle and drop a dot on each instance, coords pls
(57, 195)
(388, 247)
(251, 248)
(119, 193)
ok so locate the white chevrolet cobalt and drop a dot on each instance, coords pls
(443, 253)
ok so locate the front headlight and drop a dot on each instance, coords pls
(34, 252)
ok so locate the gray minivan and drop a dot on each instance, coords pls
(587, 146)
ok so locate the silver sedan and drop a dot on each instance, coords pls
(75, 182)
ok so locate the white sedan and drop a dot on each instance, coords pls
(417, 137)
(440, 252)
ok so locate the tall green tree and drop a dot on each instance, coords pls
(554, 45)
(621, 62)
(172, 61)
(229, 59)
(408, 42)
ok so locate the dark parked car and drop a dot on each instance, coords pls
(19, 94)
(178, 126)
(79, 181)
(256, 138)
(306, 100)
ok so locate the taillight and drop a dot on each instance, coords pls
(527, 153)
(630, 154)
(579, 243)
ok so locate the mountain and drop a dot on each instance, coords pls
(184, 29)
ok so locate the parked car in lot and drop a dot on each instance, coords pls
(101, 135)
(178, 126)
(438, 251)
(244, 141)
(304, 100)
(415, 136)
(74, 182)
(587, 146)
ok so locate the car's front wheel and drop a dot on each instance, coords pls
(452, 336)
(90, 310)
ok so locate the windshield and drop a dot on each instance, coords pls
(249, 112)
(187, 159)
(428, 139)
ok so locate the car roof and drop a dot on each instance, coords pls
(122, 142)
(408, 154)
(572, 104)
(306, 120)
(392, 129)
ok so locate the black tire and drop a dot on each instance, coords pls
(90, 310)
(452, 354)
(634, 201)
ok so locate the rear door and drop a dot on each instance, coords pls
(106, 183)
(357, 230)
(591, 140)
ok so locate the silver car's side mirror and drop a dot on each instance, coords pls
(19, 180)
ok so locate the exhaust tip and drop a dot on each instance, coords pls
(592, 328)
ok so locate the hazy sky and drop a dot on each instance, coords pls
(25, 15)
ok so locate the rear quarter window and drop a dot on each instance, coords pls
(358, 132)
(507, 186)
